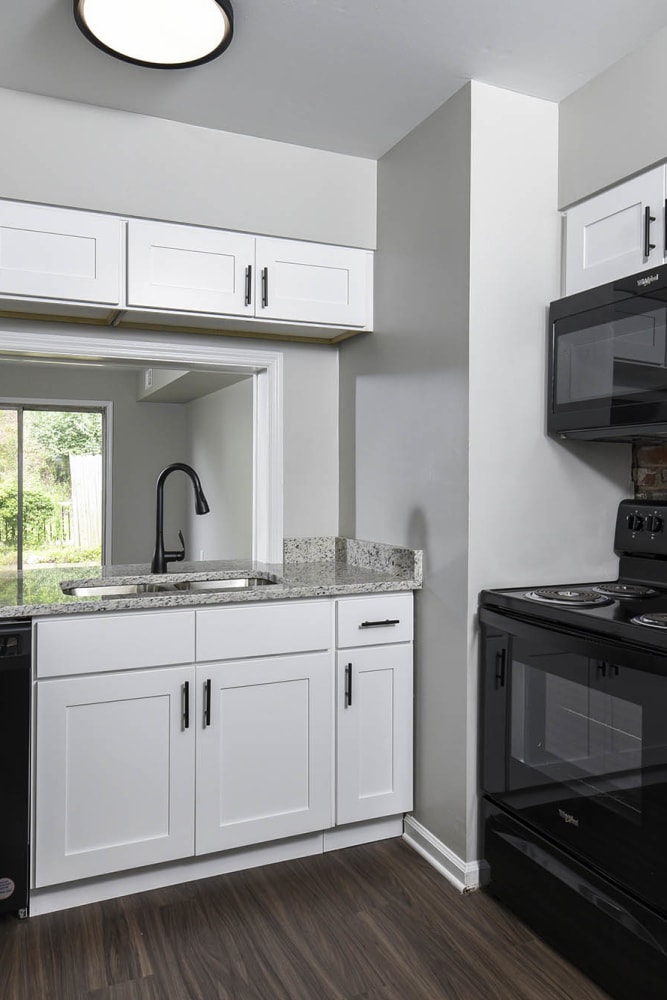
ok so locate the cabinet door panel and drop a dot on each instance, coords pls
(188, 269)
(115, 773)
(264, 763)
(312, 283)
(56, 253)
(374, 732)
(604, 236)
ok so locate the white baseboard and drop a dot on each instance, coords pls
(465, 875)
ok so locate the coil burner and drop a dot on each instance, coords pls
(653, 621)
(568, 597)
(628, 591)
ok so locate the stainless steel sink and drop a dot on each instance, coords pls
(237, 583)
(110, 590)
(116, 589)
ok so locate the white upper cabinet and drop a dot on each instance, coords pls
(616, 233)
(311, 283)
(58, 254)
(137, 272)
(189, 269)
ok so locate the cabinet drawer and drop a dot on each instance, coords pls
(270, 629)
(370, 621)
(114, 642)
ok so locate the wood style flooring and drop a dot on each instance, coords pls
(367, 923)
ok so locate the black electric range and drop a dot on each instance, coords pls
(632, 608)
(574, 759)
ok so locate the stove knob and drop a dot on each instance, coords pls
(635, 522)
(654, 523)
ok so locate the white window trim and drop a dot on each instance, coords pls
(35, 339)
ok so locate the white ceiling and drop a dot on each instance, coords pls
(353, 76)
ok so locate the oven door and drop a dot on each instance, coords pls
(575, 744)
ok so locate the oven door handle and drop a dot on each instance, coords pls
(501, 668)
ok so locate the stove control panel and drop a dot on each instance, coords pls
(641, 528)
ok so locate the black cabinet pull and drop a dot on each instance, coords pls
(348, 685)
(387, 621)
(265, 287)
(248, 285)
(501, 661)
(602, 668)
(186, 705)
(648, 219)
(207, 703)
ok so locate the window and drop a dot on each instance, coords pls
(51, 485)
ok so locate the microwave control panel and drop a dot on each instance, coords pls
(641, 528)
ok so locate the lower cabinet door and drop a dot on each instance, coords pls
(374, 732)
(114, 773)
(264, 750)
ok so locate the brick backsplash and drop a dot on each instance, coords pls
(649, 470)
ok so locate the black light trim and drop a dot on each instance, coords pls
(218, 50)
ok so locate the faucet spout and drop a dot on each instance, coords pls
(160, 556)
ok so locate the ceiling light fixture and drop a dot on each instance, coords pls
(166, 34)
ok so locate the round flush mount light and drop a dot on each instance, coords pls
(167, 34)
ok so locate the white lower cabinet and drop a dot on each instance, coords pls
(264, 768)
(168, 734)
(374, 732)
(115, 777)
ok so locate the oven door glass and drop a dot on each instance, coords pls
(587, 758)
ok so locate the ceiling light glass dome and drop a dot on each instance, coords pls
(168, 34)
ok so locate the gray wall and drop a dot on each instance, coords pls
(146, 437)
(616, 125)
(404, 431)
(220, 447)
(65, 153)
(443, 443)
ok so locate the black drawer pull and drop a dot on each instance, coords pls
(387, 621)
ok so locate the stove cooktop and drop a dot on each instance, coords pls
(633, 607)
(590, 607)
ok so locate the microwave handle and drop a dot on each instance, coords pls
(648, 219)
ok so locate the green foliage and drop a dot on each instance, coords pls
(38, 509)
(65, 433)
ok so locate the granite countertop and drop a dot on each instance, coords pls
(312, 567)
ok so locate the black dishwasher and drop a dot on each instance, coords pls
(15, 642)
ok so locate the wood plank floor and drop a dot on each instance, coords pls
(366, 923)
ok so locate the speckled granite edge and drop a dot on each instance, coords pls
(376, 556)
(313, 567)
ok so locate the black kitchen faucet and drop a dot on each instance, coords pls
(160, 557)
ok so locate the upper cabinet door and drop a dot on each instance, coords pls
(189, 269)
(313, 283)
(55, 253)
(616, 233)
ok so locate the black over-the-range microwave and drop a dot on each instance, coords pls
(607, 376)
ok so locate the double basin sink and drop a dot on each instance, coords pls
(144, 588)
